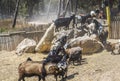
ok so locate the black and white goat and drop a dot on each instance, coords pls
(94, 27)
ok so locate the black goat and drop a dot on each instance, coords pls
(82, 19)
(64, 22)
(54, 55)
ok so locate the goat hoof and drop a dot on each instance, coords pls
(66, 76)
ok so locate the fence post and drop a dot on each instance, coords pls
(108, 20)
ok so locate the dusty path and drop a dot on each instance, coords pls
(98, 67)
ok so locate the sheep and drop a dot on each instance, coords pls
(74, 54)
(64, 22)
(31, 68)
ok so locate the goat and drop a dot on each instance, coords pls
(64, 22)
(114, 48)
(91, 29)
(103, 36)
(62, 39)
(63, 66)
(94, 27)
(82, 19)
(74, 54)
(54, 54)
(31, 68)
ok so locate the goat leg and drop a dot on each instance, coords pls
(21, 78)
(68, 27)
(55, 77)
(80, 59)
(74, 63)
(56, 29)
(43, 78)
(39, 78)
(112, 53)
(66, 72)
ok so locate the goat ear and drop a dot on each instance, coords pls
(29, 59)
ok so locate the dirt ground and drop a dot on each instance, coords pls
(97, 67)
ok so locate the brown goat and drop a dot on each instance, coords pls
(31, 68)
(74, 54)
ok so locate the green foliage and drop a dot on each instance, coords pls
(27, 7)
(92, 4)
(3, 29)
(30, 7)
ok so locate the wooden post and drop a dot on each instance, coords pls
(16, 13)
(69, 8)
(64, 2)
(59, 8)
(108, 20)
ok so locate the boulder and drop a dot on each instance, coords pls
(94, 36)
(26, 46)
(88, 44)
(46, 41)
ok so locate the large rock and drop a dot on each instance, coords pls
(46, 41)
(94, 36)
(88, 44)
(26, 46)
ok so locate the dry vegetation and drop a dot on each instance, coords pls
(6, 25)
(97, 67)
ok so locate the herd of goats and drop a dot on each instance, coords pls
(61, 54)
